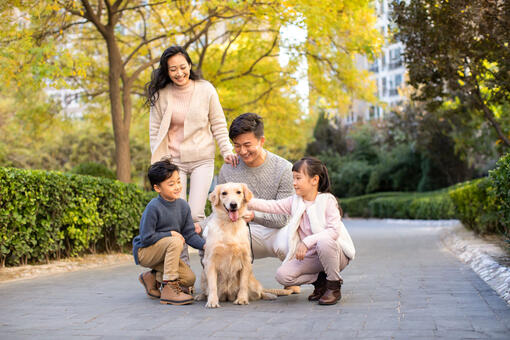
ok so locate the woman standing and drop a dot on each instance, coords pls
(185, 118)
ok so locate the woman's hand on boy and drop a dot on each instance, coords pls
(301, 251)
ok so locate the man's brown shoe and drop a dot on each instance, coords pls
(148, 280)
(319, 287)
(172, 294)
(332, 294)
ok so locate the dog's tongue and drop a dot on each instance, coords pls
(233, 215)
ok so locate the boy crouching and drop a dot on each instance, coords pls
(165, 225)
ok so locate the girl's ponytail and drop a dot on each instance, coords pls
(324, 181)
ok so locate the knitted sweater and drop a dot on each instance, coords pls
(160, 218)
(271, 181)
(204, 122)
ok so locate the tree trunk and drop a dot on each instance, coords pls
(120, 128)
(492, 119)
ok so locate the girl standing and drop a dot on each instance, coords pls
(319, 246)
(185, 118)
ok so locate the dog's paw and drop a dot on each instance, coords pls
(212, 304)
(241, 301)
(200, 297)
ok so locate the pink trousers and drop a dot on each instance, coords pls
(327, 257)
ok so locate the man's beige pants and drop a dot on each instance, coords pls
(163, 256)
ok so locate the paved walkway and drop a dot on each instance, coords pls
(402, 285)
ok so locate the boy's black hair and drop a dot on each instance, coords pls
(160, 171)
(245, 123)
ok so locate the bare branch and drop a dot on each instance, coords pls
(141, 69)
(143, 43)
(141, 6)
(252, 66)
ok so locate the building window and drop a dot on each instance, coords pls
(384, 87)
(371, 112)
(395, 58)
(398, 80)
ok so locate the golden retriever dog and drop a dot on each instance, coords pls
(227, 273)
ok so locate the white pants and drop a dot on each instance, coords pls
(201, 174)
(269, 242)
(266, 242)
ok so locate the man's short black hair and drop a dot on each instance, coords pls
(245, 123)
(160, 171)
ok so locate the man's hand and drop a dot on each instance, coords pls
(232, 159)
(249, 216)
(179, 236)
(301, 251)
(198, 228)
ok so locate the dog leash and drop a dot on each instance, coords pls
(251, 243)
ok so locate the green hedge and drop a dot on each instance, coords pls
(474, 205)
(430, 205)
(46, 215)
(482, 205)
(500, 178)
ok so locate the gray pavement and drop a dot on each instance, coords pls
(402, 285)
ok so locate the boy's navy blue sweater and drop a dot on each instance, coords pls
(160, 218)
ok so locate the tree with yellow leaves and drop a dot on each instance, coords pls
(108, 48)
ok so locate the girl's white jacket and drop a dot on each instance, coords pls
(317, 216)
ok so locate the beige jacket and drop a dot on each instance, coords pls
(204, 121)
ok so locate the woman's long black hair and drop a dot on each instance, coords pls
(160, 77)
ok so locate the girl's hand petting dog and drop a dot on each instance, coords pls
(249, 216)
(301, 251)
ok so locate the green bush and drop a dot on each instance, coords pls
(45, 215)
(431, 205)
(500, 191)
(472, 202)
(93, 169)
(358, 206)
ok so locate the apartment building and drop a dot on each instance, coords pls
(388, 72)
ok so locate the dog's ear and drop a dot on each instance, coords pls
(248, 195)
(214, 196)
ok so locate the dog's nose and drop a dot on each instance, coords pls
(233, 206)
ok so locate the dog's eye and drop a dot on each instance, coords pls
(224, 193)
(238, 192)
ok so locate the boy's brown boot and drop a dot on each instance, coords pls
(319, 287)
(172, 294)
(148, 280)
(332, 294)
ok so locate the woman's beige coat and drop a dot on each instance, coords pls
(204, 122)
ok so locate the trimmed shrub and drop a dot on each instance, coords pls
(93, 169)
(473, 205)
(358, 206)
(45, 215)
(431, 205)
(500, 191)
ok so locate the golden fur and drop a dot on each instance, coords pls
(227, 273)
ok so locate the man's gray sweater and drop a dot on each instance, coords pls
(271, 181)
